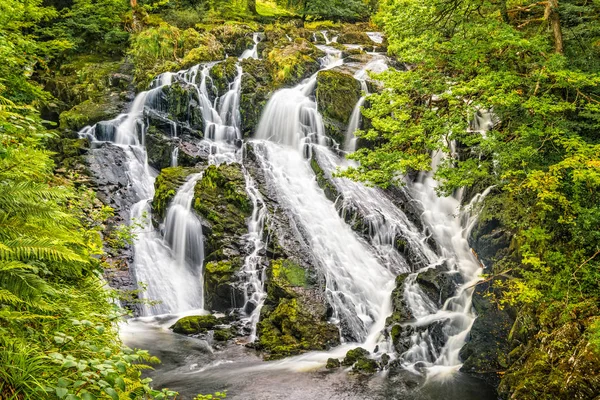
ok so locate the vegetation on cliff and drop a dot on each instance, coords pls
(509, 91)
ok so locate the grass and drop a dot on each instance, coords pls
(271, 9)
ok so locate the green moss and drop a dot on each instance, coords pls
(219, 272)
(209, 49)
(195, 324)
(337, 94)
(354, 355)
(222, 335)
(290, 328)
(90, 112)
(332, 363)
(220, 291)
(365, 366)
(288, 272)
(166, 185)
(294, 61)
(329, 188)
(223, 74)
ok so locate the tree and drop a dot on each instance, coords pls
(334, 9)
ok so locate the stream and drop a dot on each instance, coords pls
(359, 270)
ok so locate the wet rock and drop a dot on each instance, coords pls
(333, 363)
(355, 355)
(438, 284)
(221, 201)
(222, 335)
(486, 352)
(166, 185)
(355, 37)
(91, 111)
(293, 319)
(159, 149)
(221, 287)
(223, 74)
(337, 94)
(365, 366)
(257, 85)
(106, 164)
(195, 324)
(235, 38)
(293, 62)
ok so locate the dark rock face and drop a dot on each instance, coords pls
(486, 351)
(337, 94)
(222, 203)
(257, 87)
(293, 320)
(106, 164)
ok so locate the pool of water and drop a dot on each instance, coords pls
(192, 366)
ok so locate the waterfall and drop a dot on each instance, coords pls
(358, 286)
(254, 269)
(172, 266)
(450, 228)
(253, 52)
(378, 65)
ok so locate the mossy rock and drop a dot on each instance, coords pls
(355, 38)
(181, 105)
(220, 290)
(166, 185)
(294, 62)
(209, 49)
(159, 149)
(354, 355)
(324, 183)
(195, 324)
(223, 74)
(365, 366)
(235, 38)
(90, 112)
(337, 94)
(257, 85)
(332, 363)
(291, 328)
(222, 335)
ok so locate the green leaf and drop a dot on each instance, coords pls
(87, 396)
(69, 364)
(112, 393)
(61, 392)
(120, 383)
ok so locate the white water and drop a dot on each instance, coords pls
(450, 228)
(377, 65)
(254, 268)
(359, 274)
(358, 286)
(253, 52)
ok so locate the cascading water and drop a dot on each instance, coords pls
(253, 52)
(358, 286)
(450, 229)
(254, 269)
(172, 266)
(378, 65)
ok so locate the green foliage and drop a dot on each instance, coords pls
(542, 151)
(329, 9)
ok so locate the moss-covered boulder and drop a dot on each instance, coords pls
(92, 111)
(294, 61)
(209, 49)
(323, 181)
(257, 86)
(222, 335)
(159, 148)
(356, 37)
(166, 185)
(293, 320)
(355, 355)
(332, 363)
(220, 199)
(180, 104)
(337, 95)
(195, 324)
(223, 74)
(235, 38)
(221, 291)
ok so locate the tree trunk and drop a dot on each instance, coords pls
(252, 6)
(553, 17)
